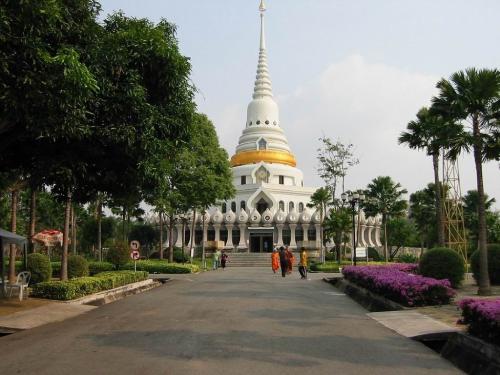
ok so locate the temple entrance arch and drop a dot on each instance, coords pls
(261, 201)
(261, 206)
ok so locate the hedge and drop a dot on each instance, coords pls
(82, 286)
(324, 267)
(97, 267)
(161, 266)
(77, 266)
(39, 266)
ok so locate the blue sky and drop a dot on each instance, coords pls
(353, 70)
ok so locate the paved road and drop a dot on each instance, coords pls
(237, 321)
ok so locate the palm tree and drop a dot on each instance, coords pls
(384, 197)
(425, 133)
(472, 98)
(320, 200)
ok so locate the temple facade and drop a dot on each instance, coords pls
(270, 205)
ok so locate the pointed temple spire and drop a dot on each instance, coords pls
(263, 86)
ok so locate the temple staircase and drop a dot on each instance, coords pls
(249, 260)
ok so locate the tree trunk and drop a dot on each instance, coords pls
(384, 222)
(183, 234)
(32, 227)
(192, 234)
(123, 223)
(161, 235)
(73, 229)
(171, 240)
(64, 257)
(99, 228)
(438, 201)
(13, 228)
(484, 278)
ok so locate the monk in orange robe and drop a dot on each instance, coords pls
(275, 260)
(291, 259)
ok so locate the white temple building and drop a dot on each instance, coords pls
(270, 205)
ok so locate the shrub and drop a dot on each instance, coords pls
(407, 258)
(493, 263)
(40, 268)
(443, 263)
(180, 256)
(325, 267)
(373, 254)
(56, 269)
(77, 266)
(482, 317)
(329, 256)
(119, 254)
(96, 267)
(161, 266)
(82, 286)
(410, 290)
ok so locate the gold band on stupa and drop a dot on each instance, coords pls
(252, 157)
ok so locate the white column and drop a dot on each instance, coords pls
(370, 240)
(377, 236)
(318, 236)
(242, 244)
(178, 241)
(280, 234)
(229, 242)
(305, 228)
(217, 232)
(205, 234)
(293, 244)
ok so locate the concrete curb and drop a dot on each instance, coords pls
(370, 301)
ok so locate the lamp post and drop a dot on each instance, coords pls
(355, 200)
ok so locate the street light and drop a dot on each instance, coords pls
(355, 200)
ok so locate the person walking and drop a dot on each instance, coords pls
(275, 260)
(303, 263)
(217, 256)
(223, 260)
(283, 261)
(290, 259)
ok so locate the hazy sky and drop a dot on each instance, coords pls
(354, 70)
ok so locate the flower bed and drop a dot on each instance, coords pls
(82, 286)
(482, 318)
(400, 286)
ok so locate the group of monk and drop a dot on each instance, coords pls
(283, 258)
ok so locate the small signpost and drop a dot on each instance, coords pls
(134, 252)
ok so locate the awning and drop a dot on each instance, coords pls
(11, 238)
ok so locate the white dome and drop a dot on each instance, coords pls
(217, 216)
(242, 217)
(305, 217)
(255, 217)
(230, 217)
(267, 216)
(280, 217)
(316, 217)
(293, 216)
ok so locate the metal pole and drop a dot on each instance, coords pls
(353, 205)
(2, 266)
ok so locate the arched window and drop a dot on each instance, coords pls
(282, 206)
(291, 206)
(262, 144)
(224, 208)
(243, 205)
(301, 207)
(233, 206)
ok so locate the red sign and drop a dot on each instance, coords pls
(135, 255)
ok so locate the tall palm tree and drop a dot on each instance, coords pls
(424, 133)
(472, 98)
(320, 200)
(384, 197)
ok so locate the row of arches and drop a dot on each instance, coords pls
(281, 206)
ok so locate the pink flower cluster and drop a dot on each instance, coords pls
(404, 267)
(394, 282)
(482, 317)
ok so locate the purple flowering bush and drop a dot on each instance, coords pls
(482, 318)
(396, 283)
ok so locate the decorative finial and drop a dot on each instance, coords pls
(262, 6)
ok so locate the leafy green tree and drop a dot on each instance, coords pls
(423, 213)
(472, 97)
(470, 203)
(401, 232)
(146, 235)
(336, 225)
(384, 197)
(321, 200)
(335, 159)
